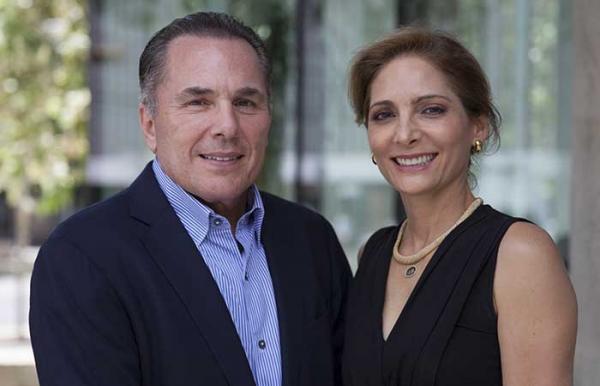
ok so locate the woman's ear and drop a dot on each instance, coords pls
(481, 128)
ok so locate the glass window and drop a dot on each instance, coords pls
(523, 46)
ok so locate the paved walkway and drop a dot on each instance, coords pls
(16, 358)
(16, 364)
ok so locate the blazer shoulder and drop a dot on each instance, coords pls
(114, 213)
(284, 208)
(298, 220)
(100, 217)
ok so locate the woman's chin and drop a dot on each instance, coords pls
(413, 186)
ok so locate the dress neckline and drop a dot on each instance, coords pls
(386, 260)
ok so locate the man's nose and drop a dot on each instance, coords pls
(226, 121)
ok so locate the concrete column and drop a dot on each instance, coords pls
(310, 107)
(585, 184)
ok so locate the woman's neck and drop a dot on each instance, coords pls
(431, 215)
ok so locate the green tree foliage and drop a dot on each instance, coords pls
(44, 101)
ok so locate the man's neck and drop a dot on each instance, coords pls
(231, 210)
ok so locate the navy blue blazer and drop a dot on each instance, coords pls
(120, 296)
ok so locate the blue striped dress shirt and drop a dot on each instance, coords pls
(239, 267)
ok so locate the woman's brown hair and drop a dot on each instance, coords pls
(463, 72)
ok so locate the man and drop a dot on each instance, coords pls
(191, 276)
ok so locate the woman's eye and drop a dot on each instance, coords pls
(434, 110)
(381, 115)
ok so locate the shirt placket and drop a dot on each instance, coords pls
(231, 265)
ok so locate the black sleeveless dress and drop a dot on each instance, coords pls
(446, 334)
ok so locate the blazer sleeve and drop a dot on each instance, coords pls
(80, 332)
(340, 279)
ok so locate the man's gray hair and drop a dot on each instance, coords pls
(202, 24)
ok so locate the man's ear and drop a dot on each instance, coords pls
(148, 127)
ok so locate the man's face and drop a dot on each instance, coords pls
(211, 124)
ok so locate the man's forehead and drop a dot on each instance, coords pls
(192, 55)
(209, 45)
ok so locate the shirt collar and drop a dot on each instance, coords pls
(196, 216)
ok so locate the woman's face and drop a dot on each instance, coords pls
(418, 129)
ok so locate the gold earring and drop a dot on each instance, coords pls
(373, 159)
(477, 146)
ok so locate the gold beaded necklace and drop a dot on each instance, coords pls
(412, 260)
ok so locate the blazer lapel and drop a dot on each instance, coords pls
(174, 251)
(281, 250)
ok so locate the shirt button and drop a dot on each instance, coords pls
(262, 344)
(217, 221)
(246, 276)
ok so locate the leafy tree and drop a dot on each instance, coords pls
(44, 103)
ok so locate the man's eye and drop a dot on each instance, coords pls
(244, 103)
(196, 102)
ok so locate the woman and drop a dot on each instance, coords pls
(459, 293)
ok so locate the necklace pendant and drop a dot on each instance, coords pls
(410, 271)
(420, 255)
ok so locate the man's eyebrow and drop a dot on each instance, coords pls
(193, 92)
(249, 92)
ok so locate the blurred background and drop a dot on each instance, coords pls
(69, 134)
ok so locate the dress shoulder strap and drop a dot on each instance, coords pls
(374, 244)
